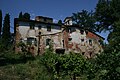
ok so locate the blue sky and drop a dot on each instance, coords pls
(56, 9)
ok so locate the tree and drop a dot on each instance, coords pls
(26, 16)
(6, 29)
(0, 22)
(84, 19)
(108, 15)
(114, 37)
(20, 15)
(73, 65)
(107, 12)
(60, 22)
(107, 66)
(62, 65)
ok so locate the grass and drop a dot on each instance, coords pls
(18, 67)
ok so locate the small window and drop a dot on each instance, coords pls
(82, 31)
(70, 39)
(48, 42)
(82, 40)
(90, 54)
(83, 53)
(90, 42)
(48, 28)
(63, 43)
(31, 41)
(39, 27)
(32, 27)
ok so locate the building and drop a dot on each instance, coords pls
(38, 34)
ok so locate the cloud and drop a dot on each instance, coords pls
(33, 18)
(33, 14)
(55, 20)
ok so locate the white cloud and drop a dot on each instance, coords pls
(33, 14)
(55, 20)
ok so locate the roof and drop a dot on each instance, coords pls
(67, 18)
(84, 29)
(44, 17)
(26, 20)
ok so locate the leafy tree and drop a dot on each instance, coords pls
(103, 15)
(20, 15)
(107, 12)
(73, 65)
(114, 37)
(108, 15)
(62, 65)
(60, 22)
(26, 16)
(84, 19)
(6, 30)
(107, 66)
(0, 22)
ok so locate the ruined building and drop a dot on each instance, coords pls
(40, 33)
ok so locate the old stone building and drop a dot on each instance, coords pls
(38, 34)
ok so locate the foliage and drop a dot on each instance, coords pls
(63, 65)
(0, 22)
(103, 15)
(6, 30)
(114, 37)
(107, 66)
(20, 15)
(85, 19)
(24, 16)
(60, 22)
(108, 15)
(31, 70)
(73, 65)
(107, 12)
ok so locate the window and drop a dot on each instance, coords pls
(39, 27)
(90, 54)
(70, 39)
(83, 53)
(48, 42)
(82, 40)
(31, 41)
(90, 42)
(82, 31)
(31, 27)
(48, 28)
(63, 43)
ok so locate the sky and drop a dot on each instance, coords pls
(56, 9)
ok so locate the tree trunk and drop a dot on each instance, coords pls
(74, 77)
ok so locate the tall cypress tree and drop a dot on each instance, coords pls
(20, 15)
(6, 29)
(0, 22)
